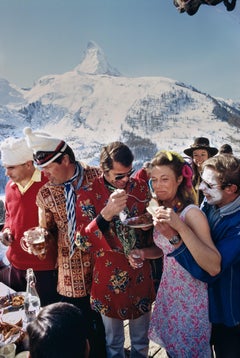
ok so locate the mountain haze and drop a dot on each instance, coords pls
(94, 104)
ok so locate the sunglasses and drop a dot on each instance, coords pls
(121, 176)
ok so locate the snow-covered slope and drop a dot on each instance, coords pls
(93, 104)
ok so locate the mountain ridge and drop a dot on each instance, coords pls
(90, 106)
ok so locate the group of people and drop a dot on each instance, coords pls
(102, 267)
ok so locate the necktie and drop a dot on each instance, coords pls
(70, 205)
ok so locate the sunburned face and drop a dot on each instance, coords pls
(211, 187)
(165, 183)
(55, 173)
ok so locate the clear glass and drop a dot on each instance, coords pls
(31, 301)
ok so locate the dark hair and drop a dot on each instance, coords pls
(115, 152)
(185, 192)
(70, 153)
(196, 173)
(225, 149)
(227, 168)
(59, 331)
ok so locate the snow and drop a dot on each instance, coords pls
(93, 104)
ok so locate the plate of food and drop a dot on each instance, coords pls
(11, 330)
(15, 300)
(139, 222)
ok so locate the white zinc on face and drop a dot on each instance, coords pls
(211, 187)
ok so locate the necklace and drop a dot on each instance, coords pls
(176, 206)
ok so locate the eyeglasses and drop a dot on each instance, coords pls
(121, 176)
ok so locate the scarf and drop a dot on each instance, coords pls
(70, 196)
(124, 233)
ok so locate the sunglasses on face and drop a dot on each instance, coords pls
(121, 176)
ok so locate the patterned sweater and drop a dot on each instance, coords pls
(75, 273)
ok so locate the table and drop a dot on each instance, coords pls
(5, 290)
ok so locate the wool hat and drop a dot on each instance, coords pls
(45, 148)
(14, 151)
(201, 143)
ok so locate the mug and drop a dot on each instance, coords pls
(34, 242)
(8, 351)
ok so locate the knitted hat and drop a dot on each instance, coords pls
(46, 149)
(14, 151)
(201, 143)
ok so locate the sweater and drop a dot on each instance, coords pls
(21, 215)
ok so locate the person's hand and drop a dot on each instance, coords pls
(135, 258)
(6, 237)
(165, 220)
(116, 203)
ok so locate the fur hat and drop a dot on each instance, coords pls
(14, 151)
(46, 149)
(201, 143)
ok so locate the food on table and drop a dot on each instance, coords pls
(17, 300)
(7, 329)
(14, 299)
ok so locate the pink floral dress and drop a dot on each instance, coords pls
(180, 320)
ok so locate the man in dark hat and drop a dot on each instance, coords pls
(199, 151)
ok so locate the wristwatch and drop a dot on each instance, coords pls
(175, 239)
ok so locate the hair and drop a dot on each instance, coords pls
(185, 192)
(69, 152)
(147, 165)
(225, 149)
(59, 331)
(227, 168)
(196, 174)
(115, 152)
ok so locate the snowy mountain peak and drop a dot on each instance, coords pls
(94, 62)
(9, 94)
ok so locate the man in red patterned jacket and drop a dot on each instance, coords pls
(21, 215)
(122, 287)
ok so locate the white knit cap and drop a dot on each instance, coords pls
(14, 151)
(46, 149)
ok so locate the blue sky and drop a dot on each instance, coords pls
(139, 38)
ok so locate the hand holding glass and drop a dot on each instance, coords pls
(34, 242)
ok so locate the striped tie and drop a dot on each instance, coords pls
(70, 206)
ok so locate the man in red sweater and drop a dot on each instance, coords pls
(21, 215)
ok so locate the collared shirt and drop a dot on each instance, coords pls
(215, 213)
(36, 177)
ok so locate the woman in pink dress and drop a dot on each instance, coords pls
(179, 320)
